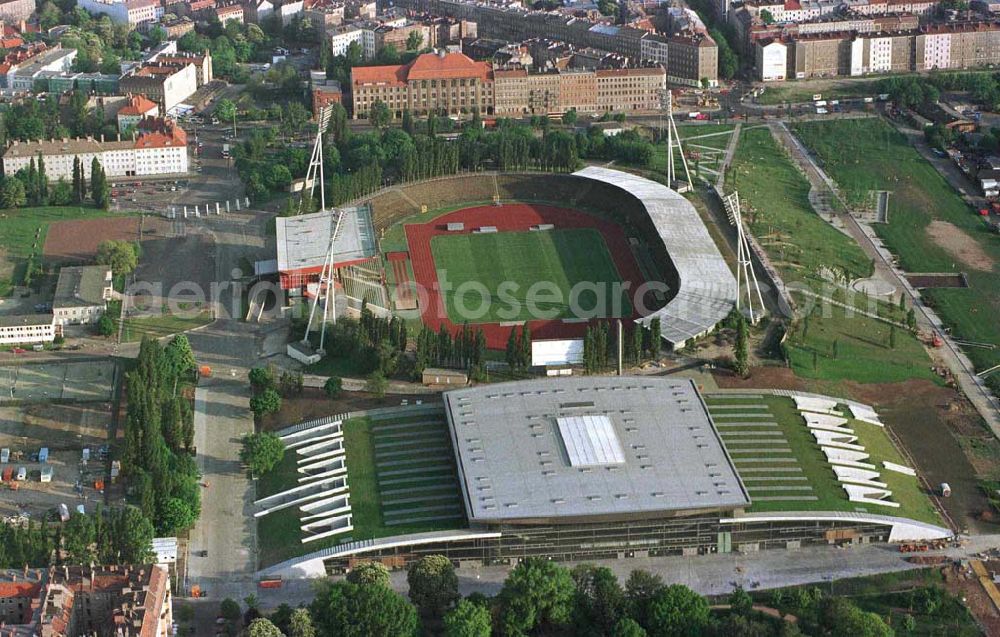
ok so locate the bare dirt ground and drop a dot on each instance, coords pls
(936, 425)
(959, 245)
(77, 240)
(314, 404)
(65, 430)
(964, 583)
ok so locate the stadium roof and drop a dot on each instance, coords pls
(303, 241)
(707, 287)
(572, 448)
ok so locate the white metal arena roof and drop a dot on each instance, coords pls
(303, 241)
(579, 447)
(707, 286)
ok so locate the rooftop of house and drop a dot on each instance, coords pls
(82, 286)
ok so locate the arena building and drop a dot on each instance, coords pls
(586, 468)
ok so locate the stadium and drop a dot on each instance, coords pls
(585, 468)
(498, 250)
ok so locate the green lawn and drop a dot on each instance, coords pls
(870, 154)
(23, 232)
(830, 495)
(477, 264)
(775, 201)
(863, 349)
(159, 326)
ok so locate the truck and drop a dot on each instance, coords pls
(225, 151)
(43, 455)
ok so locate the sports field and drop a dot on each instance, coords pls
(493, 273)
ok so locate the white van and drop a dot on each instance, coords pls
(22, 474)
(46, 475)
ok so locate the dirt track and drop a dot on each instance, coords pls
(77, 240)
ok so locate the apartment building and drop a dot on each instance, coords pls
(771, 62)
(949, 46)
(519, 92)
(137, 108)
(342, 36)
(442, 83)
(166, 84)
(630, 90)
(230, 12)
(14, 11)
(126, 601)
(693, 59)
(22, 66)
(130, 12)
(324, 13)
(159, 149)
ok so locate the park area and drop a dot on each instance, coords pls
(828, 341)
(784, 469)
(930, 229)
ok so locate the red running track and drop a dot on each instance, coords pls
(509, 218)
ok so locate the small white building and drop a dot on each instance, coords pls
(82, 294)
(20, 329)
(772, 60)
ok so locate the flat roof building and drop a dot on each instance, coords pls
(560, 450)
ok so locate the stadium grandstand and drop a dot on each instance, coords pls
(584, 468)
(704, 287)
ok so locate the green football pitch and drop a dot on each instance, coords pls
(515, 276)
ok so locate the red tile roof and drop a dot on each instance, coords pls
(428, 66)
(137, 106)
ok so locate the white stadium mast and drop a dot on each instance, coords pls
(674, 141)
(745, 276)
(326, 285)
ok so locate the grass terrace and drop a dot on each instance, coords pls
(402, 479)
(784, 469)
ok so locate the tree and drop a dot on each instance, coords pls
(640, 589)
(105, 326)
(333, 386)
(600, 601)
(468, 620)
(230, 609)
(741, 350)
(300, 624)
(677, 611)
(537, 594)
(12, 194)
(99, 188)
(348, 610)
(179, 355)
(266, 402)
(262, 378)
(379, 115)
(262, 627)
(176, 517)
(369, 574)
(122, 256)
(740, 602)
(133, 536)
(414, 40)
(262, 451)
(627, 627)
(376, 384)
(433, 585)
(892, 337)
(225, 110)
(570, 117)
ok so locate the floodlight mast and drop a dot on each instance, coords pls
(673, 141)
(745, 275)
(326, 285)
